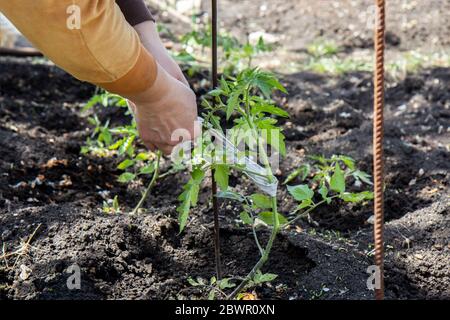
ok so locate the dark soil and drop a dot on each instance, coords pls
(411, 25)
(144, 257)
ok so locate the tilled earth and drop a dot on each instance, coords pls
(45, 182)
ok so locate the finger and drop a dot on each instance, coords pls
(180, 77)
(184, 80)
(165, 149)
(150, 146)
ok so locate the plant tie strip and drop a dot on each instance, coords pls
(254, 171)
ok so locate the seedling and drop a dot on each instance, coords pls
(123, 142)
(214, 287)
(322, 48)
(111, 206)
(246, 100)
(235, 57)
(217, 288)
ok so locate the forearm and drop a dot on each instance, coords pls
(105, 50)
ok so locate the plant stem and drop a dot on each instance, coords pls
(264, 257)
(150, 185)
(258, 244)
(306, 212)
(276, 220)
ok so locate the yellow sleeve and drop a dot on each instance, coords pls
(90, 39)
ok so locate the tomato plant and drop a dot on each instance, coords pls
(240, 134)
(246, 99)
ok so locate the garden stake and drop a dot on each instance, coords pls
(214, 184)
(380, 27)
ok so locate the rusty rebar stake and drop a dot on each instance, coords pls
(214, 183)
(378, 132)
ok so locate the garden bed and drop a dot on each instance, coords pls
(144, 257)
(47, 186)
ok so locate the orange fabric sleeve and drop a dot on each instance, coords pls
(90, 39)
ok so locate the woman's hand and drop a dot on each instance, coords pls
(165, 112)
(150, 39)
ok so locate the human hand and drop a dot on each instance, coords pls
(163, 110)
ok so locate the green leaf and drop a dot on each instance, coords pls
(96, 99)
(230, 195)
(216, 92)
(212, 295)
(189, 197)
(349, 162)
(197, 175)
(323, 192)
(303, 170)
(221, 174)
(318, 158)
(127, 130)
(356, 197)
(261, 201)
(226, 284)
(304, 204)
(232, 103)
(126, 177)
(337, 182)
(301, 192)
(195, 189)
(264, 81)
(105, 136)
(267, 108)
(183, 209)
(259, 277)
(224, 85)
(148, 169)
(267, 217)
(143, 156)
(117, 144)
(125, 164)
(192, 282)
(126, 145)
(368, 194)
(245, 217)
(363, 176)
(116, 205)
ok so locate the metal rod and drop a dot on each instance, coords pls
(214, 183)
(378, 132)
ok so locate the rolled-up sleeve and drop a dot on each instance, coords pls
(90, 39)
(135, 11)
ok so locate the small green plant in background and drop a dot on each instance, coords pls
(326, 179)
(236, 56)
(216, 289)
(122, 142)
(111, 206)
(322, 48)
(323, 58)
